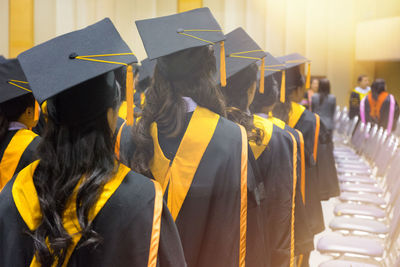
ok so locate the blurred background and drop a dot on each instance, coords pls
(343, 38)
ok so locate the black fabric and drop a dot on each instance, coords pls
(6, 141)
(384, 114)
(124, 223)
(2, 59)
(11, 70)
(146, 71)
(162, 36)
(40, 127)
(325, 108)
(306, 125)
(60, 69)
(208, 221)
(354, 105)
(29, 155)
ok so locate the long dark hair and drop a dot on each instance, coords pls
(377, 87)
(324, 89)
(68, 152)
(164, 103)
(294, 80)
(268, 98)
(12, 109)
(236, 96)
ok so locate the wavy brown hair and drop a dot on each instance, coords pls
(164, 102)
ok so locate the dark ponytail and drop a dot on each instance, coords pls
(236, 97)
(68, 151)
(324, 89)
(164, 103)
(13, 109)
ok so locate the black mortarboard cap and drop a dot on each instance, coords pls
(13, 82)
(241, 51)
(76, 57)
(168, 35)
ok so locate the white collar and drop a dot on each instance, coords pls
(16, 125)
(190, 104)
(363, 91)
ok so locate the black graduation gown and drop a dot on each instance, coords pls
(125, 224)
(354, 104)
(383, 119)
(209, 218)
(304, 238)
(307, 125)
(327, 175)
(17, 150)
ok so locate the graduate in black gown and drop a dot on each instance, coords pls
(18, 114)
(380, 107)
(275, 150)
(298, 117)
(324, 104)
(262, 107)
(184, 142)
(76, 205)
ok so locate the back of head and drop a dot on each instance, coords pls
(187, 73)
(236, 90)
(12, 110)
(268, 98)
(377, 87)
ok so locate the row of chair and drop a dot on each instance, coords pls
(365, 229)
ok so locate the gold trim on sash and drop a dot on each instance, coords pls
(295, 114)
(267, 127)
(293, 200)
(13, 153)
(156, 228)
(317, 125)
(303, 167)
(118, 141)
(243, 199)
(179, 174)
(281, 124)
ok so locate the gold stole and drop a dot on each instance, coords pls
(27, 202)
(179, 174)
(267, 127)
(295, 114)
(13, 154)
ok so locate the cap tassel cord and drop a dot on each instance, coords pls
(283, 85)
(36, 111)
(261, 88)
(222, 65)
(129, 95)
(308, 78)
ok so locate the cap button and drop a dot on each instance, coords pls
(180, 30)
(73, 55)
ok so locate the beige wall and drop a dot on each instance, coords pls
(322, 30)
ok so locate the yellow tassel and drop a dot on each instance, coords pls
(36, 111)
(222, 65)
(261, 88)
(283, 85)
(129, 95)
(308, 79)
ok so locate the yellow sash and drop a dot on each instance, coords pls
(281, 124)
(179, 175)
(295, 114)
(118, 141)
(267, 127)
(317, 125)
(27, 202)
(361, 95)
(292, 241)
(303, 167)
(13, 153)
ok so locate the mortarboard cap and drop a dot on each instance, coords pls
(2, 59)
(241, 51)
(76, 57)
(168, 35)
(294, 60)
(13, 83)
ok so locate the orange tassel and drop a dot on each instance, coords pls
(222, 69)
(36, 111)
(283, 85)
(308, 78)
(261, 88)
(130, 86)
